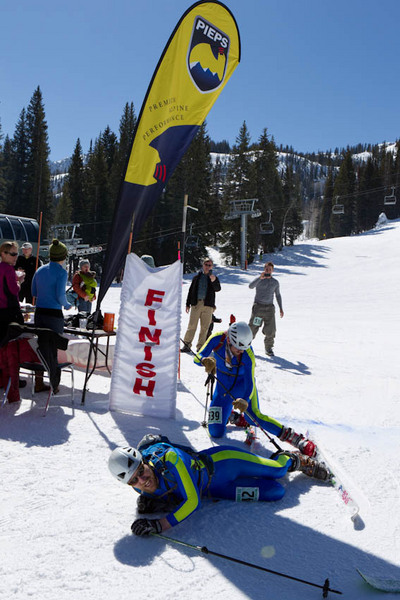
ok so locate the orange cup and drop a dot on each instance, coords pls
(108, 324)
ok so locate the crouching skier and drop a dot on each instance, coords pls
(174, 479)
(233, 363)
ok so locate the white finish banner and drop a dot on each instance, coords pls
(144, 375)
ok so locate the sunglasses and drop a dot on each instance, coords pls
(139, 473)
(208, 264)
(12, 253)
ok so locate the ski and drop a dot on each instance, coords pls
(338, 484)
(381, 583)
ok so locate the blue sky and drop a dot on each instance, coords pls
(317, 74)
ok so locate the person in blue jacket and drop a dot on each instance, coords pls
(233, 364)
(48, 286)
(174, 479)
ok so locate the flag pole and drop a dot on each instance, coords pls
(38, 248)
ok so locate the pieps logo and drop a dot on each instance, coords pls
(207, 55)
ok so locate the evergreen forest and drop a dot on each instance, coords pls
(319, 195)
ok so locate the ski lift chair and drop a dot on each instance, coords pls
(338, 209)
(390, 200)
(192, 241)
(267, 227)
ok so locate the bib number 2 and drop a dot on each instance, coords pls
(247, 494)
(215, 415)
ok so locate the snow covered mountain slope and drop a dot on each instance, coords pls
(65, 522)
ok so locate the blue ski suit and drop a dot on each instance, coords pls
(235, 377)
(223, 472)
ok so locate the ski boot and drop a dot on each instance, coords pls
(308, 466)
(238, 419)
(298, 440)
(250, 436)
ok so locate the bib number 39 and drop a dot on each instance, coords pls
(215, 415)
(247, 494)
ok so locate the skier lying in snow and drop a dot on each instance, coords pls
(234, 363)
(173, 478)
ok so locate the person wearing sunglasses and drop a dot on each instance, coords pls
(200, 303)
(174, 479)
(10, 312)
(10, 285)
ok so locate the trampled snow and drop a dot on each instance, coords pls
(65, 522)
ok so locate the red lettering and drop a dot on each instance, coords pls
(152, 297)
(148, 388)
(144, 369)
(148, 353)
(145, 333)
(151, 316)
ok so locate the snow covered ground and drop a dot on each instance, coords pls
(65, 522)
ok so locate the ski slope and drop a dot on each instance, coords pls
(65, 522)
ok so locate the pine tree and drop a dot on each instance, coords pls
(196, 165)
(344, 193)
(240, 184)
(110, 145)
(396, 181)
(292, 222)
(370, 190)
(324, 227)
(269, 193)
(16, 158)
(127, 127)
(37, 167)
(74, 185)
(98, 203)
(63, 212)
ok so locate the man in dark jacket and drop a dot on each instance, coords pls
(27, 263)
(201, 304)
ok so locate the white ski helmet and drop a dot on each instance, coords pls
(123, 462)
(240, 335)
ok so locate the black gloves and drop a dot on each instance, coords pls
(147, 505)
(146, 526)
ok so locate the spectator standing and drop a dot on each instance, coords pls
(201, 304)
(10, 285)
(263, 311)
(26, 262)
(84, 285)
(48, 286)
(10, 312)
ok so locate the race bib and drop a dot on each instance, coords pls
(247, 494)
(215, 415)
(257, 321)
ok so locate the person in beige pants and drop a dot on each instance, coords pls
(201, 304)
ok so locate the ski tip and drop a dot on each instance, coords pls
(384, 584)
(358, 522)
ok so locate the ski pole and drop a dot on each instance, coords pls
(325, 588)
(210, 384)
(271, 439)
